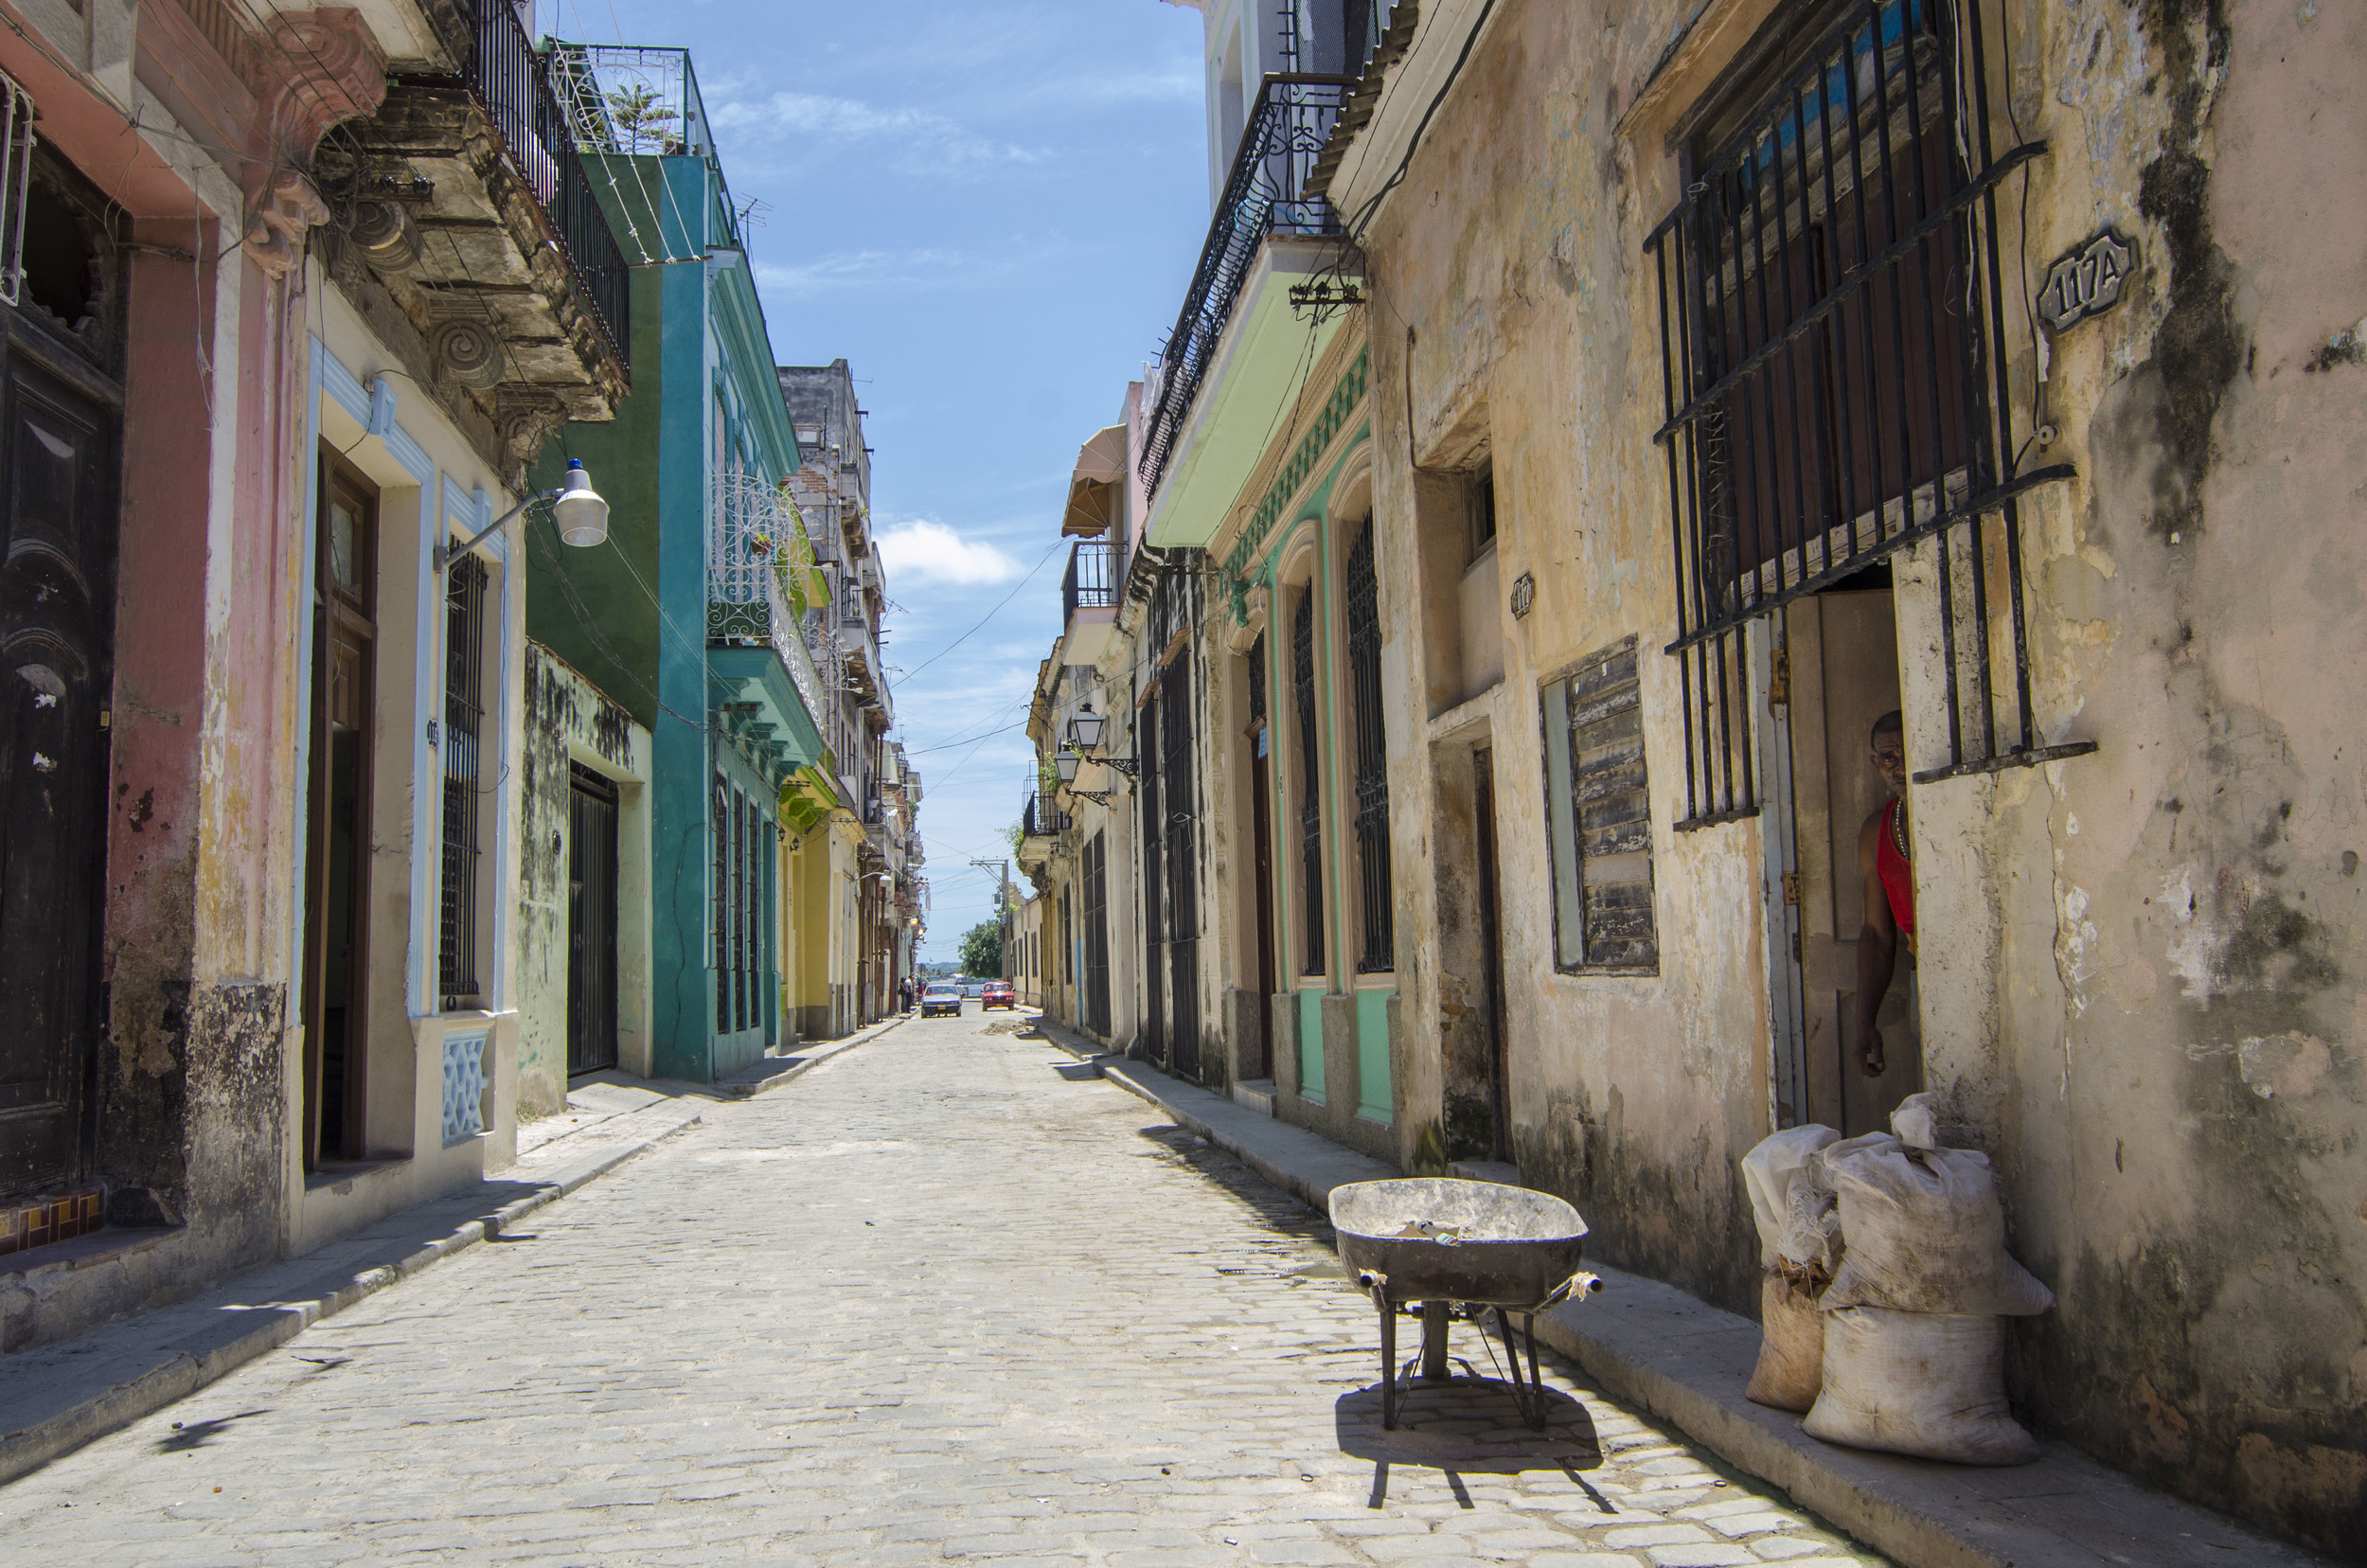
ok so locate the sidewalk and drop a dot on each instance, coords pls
(59, 1397)
(1659, 1351)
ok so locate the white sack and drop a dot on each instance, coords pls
(1916, 1121)
(1788, 1204)
(1925, 1232)
(1931, 1384)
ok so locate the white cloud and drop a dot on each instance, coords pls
(926, 143)
(930, 552)
(837, 272)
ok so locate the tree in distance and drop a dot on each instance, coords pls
(982, 949)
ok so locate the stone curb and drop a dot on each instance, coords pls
(1658, 1350)
(29, 1448)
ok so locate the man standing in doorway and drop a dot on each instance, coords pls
(1887, 867)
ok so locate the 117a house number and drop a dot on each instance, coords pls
(2087, 282)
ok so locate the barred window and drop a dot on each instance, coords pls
(462, 742)
(1310, 777)
(1361, 602)
(1833, 350)
(1598, 816)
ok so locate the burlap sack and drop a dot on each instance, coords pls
(1923, 1232)
(1791, 1342)
(1931, 1384)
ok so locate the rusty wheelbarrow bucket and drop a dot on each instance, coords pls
(1481, 1246)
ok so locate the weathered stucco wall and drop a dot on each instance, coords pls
(2141, 988)
(568, 721)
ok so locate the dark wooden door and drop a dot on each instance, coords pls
(57, 466)
(1493, 951)
(591, 923)
(1261, 862)
(337, 857)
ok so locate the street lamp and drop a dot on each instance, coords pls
(1084, 733)
(577, 508)
(1065, 765)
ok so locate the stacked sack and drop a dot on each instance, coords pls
(1799, 1245)
(1915, 1333)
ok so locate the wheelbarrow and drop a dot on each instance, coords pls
(1473, 1246)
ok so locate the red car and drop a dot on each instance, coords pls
(998, 994)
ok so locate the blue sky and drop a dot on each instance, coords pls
(991, 211)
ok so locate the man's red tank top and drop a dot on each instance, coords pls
(1896, 874)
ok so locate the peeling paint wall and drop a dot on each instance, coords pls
(2140, 983)
(569, 723)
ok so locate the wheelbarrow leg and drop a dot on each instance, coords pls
(1526, 1396)
(1388, 1362)
(1434, 1342)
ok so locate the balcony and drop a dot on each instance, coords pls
(1040, 824)
(759, 573)
(1239, 341)
(465, 200)
(1089, 599)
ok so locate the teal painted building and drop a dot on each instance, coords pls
(687, 618)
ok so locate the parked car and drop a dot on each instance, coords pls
(942, 998)
(976, 988)
(998, 994)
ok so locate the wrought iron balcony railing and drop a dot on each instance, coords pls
(511, 80)
(1092, 577)
(1266, 194)
(1040, 818)
(642, 100)
(758, 560)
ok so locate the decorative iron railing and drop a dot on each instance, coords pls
(636, 99)
(1092, 580)
(1266, 195)
(511, 81)
(759, 570)
(1040, 818)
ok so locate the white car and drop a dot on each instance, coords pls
(941, 997)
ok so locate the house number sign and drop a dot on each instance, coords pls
(2087, 282)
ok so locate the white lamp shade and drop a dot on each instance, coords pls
(582, 516)
(1066, 762)
(1084, 731)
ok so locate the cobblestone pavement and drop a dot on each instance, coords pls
(949, 1297)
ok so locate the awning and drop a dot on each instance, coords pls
(1094, 488)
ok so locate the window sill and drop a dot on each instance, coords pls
(340, 1178)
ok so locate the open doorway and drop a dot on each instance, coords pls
(1833, 674)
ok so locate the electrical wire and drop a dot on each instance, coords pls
(988, 616)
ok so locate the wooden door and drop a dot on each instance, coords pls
(337, 818)
(1842, 665)
(1491, 951)
(58, 463)
(590, 922)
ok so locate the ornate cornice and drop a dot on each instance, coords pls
(312, 70)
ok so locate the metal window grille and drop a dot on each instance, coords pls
(1176, 798)
(1372, 758)
(1833, 352)
(1097, 937)
(1154, 895)
(461, 742)
(1257, 680)
(1310, 788)
(16, 169)
(720, 903)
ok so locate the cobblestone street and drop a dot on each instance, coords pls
(948, 1297)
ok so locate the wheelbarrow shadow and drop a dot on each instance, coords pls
(1466, 1426)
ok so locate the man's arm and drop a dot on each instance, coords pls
(1877, 948)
